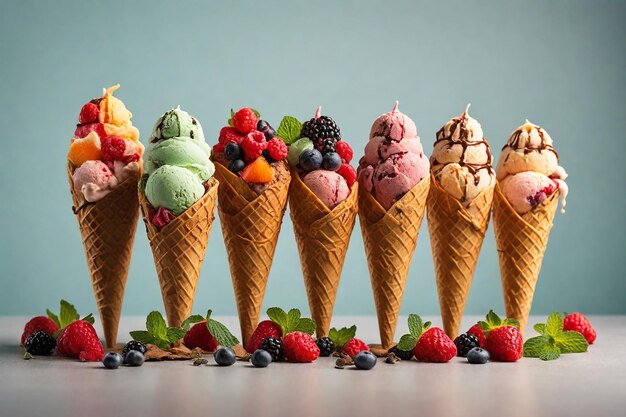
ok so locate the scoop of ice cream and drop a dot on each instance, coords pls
(461, 161)
(115, 116)
(174, 188)
(526, 190)
(94, 179)
(328, 186)
(394, 160)
(177, 123)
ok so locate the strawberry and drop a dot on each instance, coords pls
(579, 323)
(505, 344)
(478, 332)
(79, 340)
(199, 336)
(300, 347)
(89, 113)
(354, 346)
(42, 323)
(265, 329)
(434, 345)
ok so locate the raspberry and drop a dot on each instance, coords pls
(162, 217)
(345, 151)
(42, 323)
(79, 340)
(505, 344)
(354, 346)
(478, 332)
(579, 323)
(265, 329)
(199, 336)
(245, 120)
(230, 134)
(218, 148)
(300, 347)
(89, 113)
(277, 149)
(112, 148)
(434, 346)
(253, 145)
(348, 173)
(83, 130)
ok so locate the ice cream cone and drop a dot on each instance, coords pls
(178, 250)
(323, 236)
(250, 225)
(521, 241)
(107, 228)
(456, 236)
(390, 237)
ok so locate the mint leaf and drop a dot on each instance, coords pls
(493, 319)
(426, 326)
(554, 324)
(540, 328)
(230, 121)
(53, 317)
(407, 342)
(278, 316)
(68, 314)
(535, 345)
(255, 111)
(293, 319)
(221, 333)
(89, 319)
(193, 319)
(416, 327)
(155, 324)
(340, 337)
(550, 353)
(306, 325)
(333, 334)
(511, 322)
(142, 336)
(174, 334)
(289, 129)
(571, 342)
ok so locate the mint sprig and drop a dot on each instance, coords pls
(291, 321)
(157, 333)
(553, 341)
(340, 337)
(493, 321)
(67, 315)
(416, 328)
(220, 332)
(289, 129)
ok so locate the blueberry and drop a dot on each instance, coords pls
(331, 161)
(134, 358)
(236, 165)
(261, 358)
(268, 131)
(224, 356)
(267, 156)
(478, 355)
(232, 151)
(365, 360)
(310, 159)
(112, 360)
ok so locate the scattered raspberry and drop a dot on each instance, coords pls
(199, 336)
(230, 134)
(89, 113)
(162, 217)
(434, 346)
(83, 130)
(300, 347)
(354, 346)
(265, 329)
(277, 149)
(505, 344)
(35, 324)
(348, 172)
(345, 151)
(112, 148)
(253, 145)
(478, 331)
(579, 323)
(79, 340)
(245, 120)
(218, 148)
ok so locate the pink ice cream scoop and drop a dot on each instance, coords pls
(394, 160)
(94, 179)
(527, 190)
(328, 186)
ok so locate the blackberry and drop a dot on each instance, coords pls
(321, 128)
(274, 347)
(464, 343)
(326, 346)
(405, 355)
(134, 345)
(326, 145)
(40, 343)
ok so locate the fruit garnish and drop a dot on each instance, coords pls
(553, 340)
(244, 120)
(67, 315)
(416, 328)
(493, 321)
(220, 332)
(580, 323)
(84, 149)
(157, 333)
(289, 129)
(89, 113)
(340, 337)
(258, 171)
(291, 321)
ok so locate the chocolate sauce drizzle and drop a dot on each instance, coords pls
(514, 143)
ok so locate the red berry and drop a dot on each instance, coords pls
(265, 329)
(253, 145)
(345, 151)
(277, 149)
(112, 148)
(42, 323)
(230, 134)
(579, 323)
(478, 332)
(162, 217)
(348, 172)
(505, 344)
(354, 346)
(300, 347)
(199, 336)
(245, 120)
(83, 130)
(79, 340)
(89, 113)
(434, 346)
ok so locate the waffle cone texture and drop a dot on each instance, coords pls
(521, 241)
(250, 225)
(456, 237)
(178, 250)
(322, 236)
(107, 228)
(390, 237)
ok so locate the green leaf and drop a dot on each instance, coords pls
(277, 315)
(493, 319)
(89, 319)
(306, 325)
(230, 121)
(142, 336)
(333, 334)
(293, 319)
(289, 129)
(68, 314)
(511, 322)
(255, 111)
(571, 342)
(53, 317)
(221, 333)
(540, 328)
(535, 345)
(407, 342)
(554, 324)
(193, 319)
(426, 326)
(340, 337)
(174, 334)
(550, 353)
(155, 324)
(416, 327)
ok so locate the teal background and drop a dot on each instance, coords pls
(562, 64)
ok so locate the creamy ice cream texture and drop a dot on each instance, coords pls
(394, 160)
(177, 162)
(328, 186)
(461, 161)
(528, 169)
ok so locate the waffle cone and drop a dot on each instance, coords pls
(250, 225)
(323, 236)
(107, 228)
(178, 250)
(456, 236)
(521, 241)
(390, 237)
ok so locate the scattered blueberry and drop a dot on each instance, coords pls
(236, 165)
(261, 358)
(232, 151)
(224, 356)
(310, 159)
(112, 360)
(365, 360)
(478, 355)
(134, 345)
(331, 161)
(134, 358)
(268, 131)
